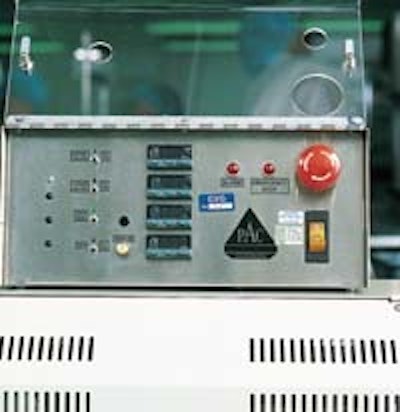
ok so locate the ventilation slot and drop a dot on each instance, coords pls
(46, 349)
(24, 401)
(283, 402)
(323, 351)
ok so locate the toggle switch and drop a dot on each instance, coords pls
(317, 236)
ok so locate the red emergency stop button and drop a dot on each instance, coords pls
(318, 168)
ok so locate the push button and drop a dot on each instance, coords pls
(318, 168)
(122, 249)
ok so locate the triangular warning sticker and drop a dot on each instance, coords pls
(250, 240)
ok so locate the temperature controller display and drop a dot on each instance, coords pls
(169, 152)
(169, 242)
(169, 157)
(169, 212)
(166, 247)
(165, 182)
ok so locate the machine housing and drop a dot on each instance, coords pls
(210, 252)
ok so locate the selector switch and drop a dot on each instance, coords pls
(317, 236)
(318, 168)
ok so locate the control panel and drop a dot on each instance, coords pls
(248, 209)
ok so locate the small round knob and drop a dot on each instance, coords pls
(318, 168)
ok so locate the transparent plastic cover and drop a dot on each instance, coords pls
(162, 58)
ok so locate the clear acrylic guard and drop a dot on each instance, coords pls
(264, 59)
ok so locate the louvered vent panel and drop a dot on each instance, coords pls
(287, 402)
(321, 351)
(28, 401)
(46, 348)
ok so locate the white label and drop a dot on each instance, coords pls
(290, 235)
(291, 217)
(221, 206)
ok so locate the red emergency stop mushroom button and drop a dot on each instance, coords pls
(318, 168)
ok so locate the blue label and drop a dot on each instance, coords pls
(217, 202)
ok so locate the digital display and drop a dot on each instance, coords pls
(165, 182)
(169, 212)
(169, 242)
(158, 152)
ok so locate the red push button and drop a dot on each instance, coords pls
(318, 168)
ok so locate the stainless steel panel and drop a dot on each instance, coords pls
(79, 245)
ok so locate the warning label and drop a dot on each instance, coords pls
(250, 240)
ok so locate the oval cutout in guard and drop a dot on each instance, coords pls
(103, 50)
(317, 95)
(315, 38)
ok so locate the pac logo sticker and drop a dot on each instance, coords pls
(250, 240)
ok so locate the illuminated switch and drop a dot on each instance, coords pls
(233, 169)
(317, 236)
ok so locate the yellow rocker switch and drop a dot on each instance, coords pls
(317, 242)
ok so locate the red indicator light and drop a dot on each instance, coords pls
(269, 168)
(233, 168)
(318, 168)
